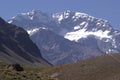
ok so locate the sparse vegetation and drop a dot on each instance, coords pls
(100, 68)
(29, 73)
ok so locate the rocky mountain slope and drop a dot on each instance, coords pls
(95, 33)
(58, 50)
(17, 47)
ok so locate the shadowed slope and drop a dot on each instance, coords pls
(17, 47)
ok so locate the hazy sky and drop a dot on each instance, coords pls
(106, 9)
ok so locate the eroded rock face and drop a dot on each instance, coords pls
(16, 67)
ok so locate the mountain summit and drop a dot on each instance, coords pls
(95, 33)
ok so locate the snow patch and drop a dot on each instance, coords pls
(94, 29)
(85, 24)
(10, 21)
(82, 15)
(33, 31)
(114, 43)
(82, 33)
(66, 14)
(61, 16)
(81, 25)
(107, 40)
(76, 27)
(31, 18)
(58, 17)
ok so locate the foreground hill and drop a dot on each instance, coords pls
(29, 73)
(17, 47)
(100, 68)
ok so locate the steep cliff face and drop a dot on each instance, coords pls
(17, 47)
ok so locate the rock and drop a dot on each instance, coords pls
(16, 67)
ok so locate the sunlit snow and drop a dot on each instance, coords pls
(76, 27)
(62, 16)
(82, 33)
(32, 31)
(82, 15)
(10, 21)
(31, 18)
(114, 43)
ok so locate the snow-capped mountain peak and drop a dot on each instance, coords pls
(67, 17)
(32, 19)
(74, 16)
(34, 15)
(74, 26)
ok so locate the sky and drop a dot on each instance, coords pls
(105, 9)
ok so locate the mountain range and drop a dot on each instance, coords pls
(69, 36)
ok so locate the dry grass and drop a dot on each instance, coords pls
(101, 68)
(29, 73)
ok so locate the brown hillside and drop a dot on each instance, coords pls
(100, 68)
